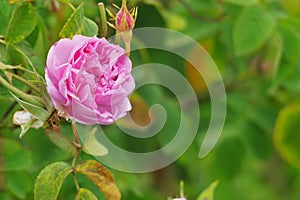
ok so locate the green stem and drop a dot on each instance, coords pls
(118, 37)
(75, 134)
(29, 62)
(103, 30)
(181, 192)
(32, 86)
(127, 36)
(19, 93)
(127, 48)
(73, 8)
(124, 3)
(74, 162)
(74, 174)
(8, 126)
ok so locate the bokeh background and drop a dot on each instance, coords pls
(256, 46)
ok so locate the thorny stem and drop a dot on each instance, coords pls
(76, 140)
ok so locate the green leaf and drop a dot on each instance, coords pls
(100, 176)
(17, 55)
(64, 1)
(36, 111)
(89, 27)
(273, 55)
(62, 141)
(20, 94)
(291, 41)
(230, 148)
(251, 29)
(208, 193)
(2, 53)
(262, 147)
(14, 57)
(241, 2)
(32, 38)
(90, 144)
(15, 156)
(21, 24)
(4, 16)
(74, 23)
(50, 180)
(286, 134)
(18, 183)
(85, 194)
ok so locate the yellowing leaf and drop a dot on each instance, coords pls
(85, 194)
(100, 176)
(50, 180)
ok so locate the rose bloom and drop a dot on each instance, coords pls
(89, 80)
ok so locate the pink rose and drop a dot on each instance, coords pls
(89, 79)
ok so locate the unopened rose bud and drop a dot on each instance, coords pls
(26, 120)
(124, 23)
(125, 20)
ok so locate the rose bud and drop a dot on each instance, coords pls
(125, 20)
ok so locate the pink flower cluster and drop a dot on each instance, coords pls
(89, 79)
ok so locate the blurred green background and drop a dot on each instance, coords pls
(256, 46)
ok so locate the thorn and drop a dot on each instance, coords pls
(111, 25)
(114, 5)
(110, 13)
